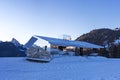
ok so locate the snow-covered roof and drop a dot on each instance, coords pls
(62, 42)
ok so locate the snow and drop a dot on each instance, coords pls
(15, 42)
(60, 68)
(117, 41)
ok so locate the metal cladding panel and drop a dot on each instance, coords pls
(30, 42)
(61, 42)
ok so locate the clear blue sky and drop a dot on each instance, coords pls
(23, 18)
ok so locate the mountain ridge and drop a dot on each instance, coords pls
(12, 49)
(101, 36)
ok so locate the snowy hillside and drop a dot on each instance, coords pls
(117, 41)
(15, 42)
(60, 68)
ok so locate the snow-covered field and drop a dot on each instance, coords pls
(60, 68)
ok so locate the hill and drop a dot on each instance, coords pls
(100, 36)
(11, 49)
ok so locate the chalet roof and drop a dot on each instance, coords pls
(62, 42)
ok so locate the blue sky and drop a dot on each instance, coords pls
(23, 18)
